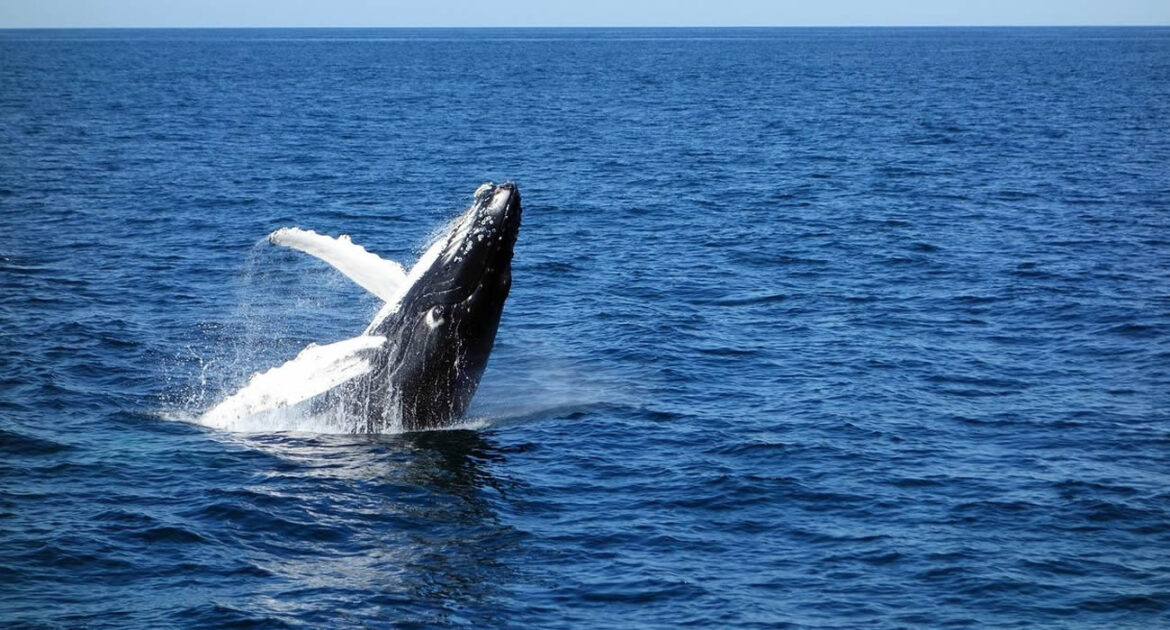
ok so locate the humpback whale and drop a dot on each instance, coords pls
(418, 363)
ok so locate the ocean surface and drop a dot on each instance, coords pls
(809, 328)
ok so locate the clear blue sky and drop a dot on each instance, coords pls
(221, 13)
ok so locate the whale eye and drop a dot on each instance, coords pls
(435, 317)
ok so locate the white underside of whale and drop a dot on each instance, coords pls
(314, 371)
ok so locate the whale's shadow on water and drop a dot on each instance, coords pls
(410, 517)
(460, 542)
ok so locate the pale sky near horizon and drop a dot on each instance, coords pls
(372, 13)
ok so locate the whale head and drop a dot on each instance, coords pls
(445, 324)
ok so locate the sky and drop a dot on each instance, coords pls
(375, 13)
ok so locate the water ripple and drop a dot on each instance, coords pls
(809, 328)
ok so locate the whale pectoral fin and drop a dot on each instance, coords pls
(384, 278)
(314, 371)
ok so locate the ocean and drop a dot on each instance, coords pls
(809, 328)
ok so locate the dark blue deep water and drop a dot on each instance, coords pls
(809, 328)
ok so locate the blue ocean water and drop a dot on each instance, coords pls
(811, 328)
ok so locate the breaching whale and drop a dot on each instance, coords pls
(418, 363)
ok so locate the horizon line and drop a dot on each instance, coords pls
(578, 26)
